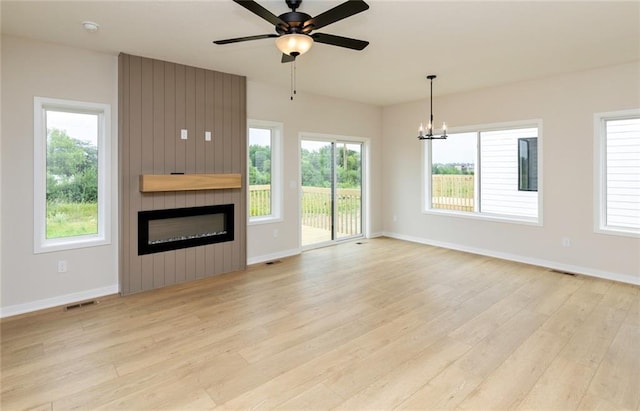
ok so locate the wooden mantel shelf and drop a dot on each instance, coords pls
(151, 183)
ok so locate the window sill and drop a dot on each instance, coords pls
(63, 244)
(620, 232)
(264, 220)
(486, 217)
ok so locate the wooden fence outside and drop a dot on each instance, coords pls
(449, 192)
(452, 192)
(316, 207)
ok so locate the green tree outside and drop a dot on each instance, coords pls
(72, 186)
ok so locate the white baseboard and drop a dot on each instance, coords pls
(274, 256)
(376, 234)
(66, 299)
(569, 268)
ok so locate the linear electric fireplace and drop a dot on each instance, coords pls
(176, 228)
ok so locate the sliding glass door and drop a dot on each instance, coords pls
(331, 200)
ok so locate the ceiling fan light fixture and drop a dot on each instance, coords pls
(294, 44)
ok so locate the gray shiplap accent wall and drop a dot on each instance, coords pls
(156, 100)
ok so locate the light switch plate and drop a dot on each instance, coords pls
(183, 134)
(207, 136)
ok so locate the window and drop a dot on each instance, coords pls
(486, 172)
(265, 196)
(618, 172)
(71, 180)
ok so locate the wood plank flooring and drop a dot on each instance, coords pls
(384, 325)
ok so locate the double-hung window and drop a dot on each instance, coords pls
(264, 165)
(71, 174)
(489, 172)
(617, 168)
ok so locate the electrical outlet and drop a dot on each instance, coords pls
(275, 232)
(566, 242)
(183, 134)
(62, 266)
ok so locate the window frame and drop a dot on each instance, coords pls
(600, 173)
(478, 215)
(103, 237)
(277, 132)
(527, 141)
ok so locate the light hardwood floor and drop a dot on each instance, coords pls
(381, 325)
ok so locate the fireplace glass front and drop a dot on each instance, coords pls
(172, 229)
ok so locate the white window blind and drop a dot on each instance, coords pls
(622, 170)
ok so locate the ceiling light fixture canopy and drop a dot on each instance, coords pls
(90, 26)
(294, 44)
(429, 135)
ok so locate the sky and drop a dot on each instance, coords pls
(80, 126)
(260, 136)
(457, 148)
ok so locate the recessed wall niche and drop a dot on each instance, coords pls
(158, 99)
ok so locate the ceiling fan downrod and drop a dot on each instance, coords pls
(293, 4)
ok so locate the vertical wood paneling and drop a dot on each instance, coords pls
(180, 163)
(123, 181)
(209, 157)
(219, 155)
(190, 158)
(228, 150)
(158, 158)
(169, 156)
(156, 100)
(242, 200)
(235, 150)
(146, 154)
(200, 122)
(135, 168)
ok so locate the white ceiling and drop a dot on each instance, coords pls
(469, 45)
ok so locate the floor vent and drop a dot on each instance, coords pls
(80, 305)
(360, 243)
(273, 262)
(563, 272)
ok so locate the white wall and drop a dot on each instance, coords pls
(566, 105)
(309, 114)
(29, 68)
(31, 281)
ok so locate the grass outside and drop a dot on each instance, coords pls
(71, 219)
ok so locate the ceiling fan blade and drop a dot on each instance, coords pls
(260, 11)
(342, 11)
(340, 41)
(248, 38)
(287, 58)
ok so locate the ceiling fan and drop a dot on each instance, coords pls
(294, 29)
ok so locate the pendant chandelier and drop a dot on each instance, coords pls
(429, 132)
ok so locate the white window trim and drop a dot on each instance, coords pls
(426, 175)
(41, 244)
(277, 132)
(600, 174)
